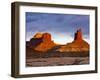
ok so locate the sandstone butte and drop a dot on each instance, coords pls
(42, 42)
(77, 45)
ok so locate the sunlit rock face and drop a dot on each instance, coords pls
(77, 45)
(41, 42)
(78, 35)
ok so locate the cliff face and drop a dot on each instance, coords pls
(78, 35)
(77, 45)
(41, 42)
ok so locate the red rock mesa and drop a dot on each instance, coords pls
(77, 45)
(42, 42)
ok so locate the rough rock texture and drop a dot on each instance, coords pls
(78, 45)
(41, 42)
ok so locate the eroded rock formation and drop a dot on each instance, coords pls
(77, 45)
(41, 42)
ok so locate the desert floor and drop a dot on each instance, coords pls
(56, 61)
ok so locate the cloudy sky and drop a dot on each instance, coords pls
(61, 26)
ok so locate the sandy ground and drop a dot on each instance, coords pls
(54, 61)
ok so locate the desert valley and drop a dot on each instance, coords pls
(41, 50)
